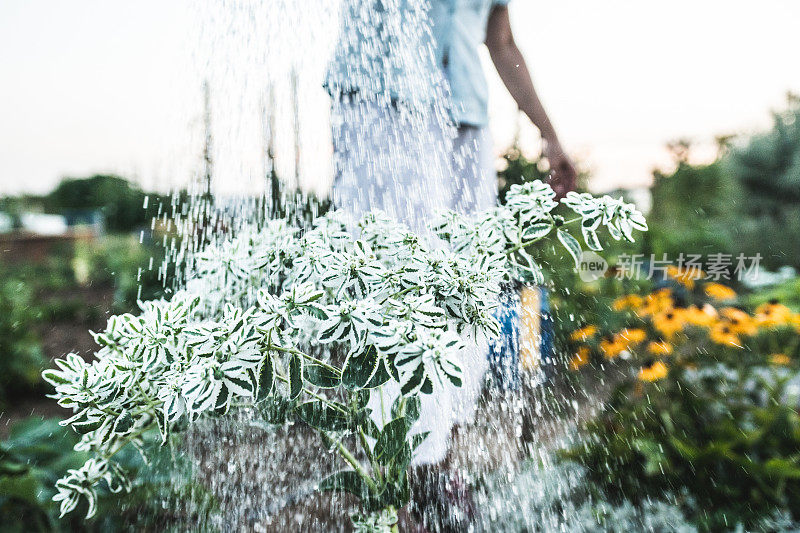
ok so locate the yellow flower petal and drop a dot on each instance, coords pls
(654, 372)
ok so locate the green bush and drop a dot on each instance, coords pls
(132, 268)
(38, 452)
(726, 434)
(788, 293)
(767, 167)
(121, 202)
(751, 190)
(21, 358)
(694, 212)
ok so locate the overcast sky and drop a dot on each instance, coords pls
(104, 85)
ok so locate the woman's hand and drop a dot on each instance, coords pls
(563, 175)
(514, 73)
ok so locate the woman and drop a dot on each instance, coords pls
(410, 134)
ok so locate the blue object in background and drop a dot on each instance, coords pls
(504, 351)
(547, 332)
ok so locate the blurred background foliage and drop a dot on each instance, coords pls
(121, 203)
(37, 453)
(745, 201)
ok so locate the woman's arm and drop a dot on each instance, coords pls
(514, 72)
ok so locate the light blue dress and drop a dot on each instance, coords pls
(404, 75)
(397, 50)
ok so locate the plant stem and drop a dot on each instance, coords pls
(407, 290)
(362, 437)
(345, 453)
(401, 411)
(305, 356)
(313, 394)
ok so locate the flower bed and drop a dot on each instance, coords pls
(307, 325)
(710, 410)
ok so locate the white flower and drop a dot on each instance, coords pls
(430, 360)
(532, 201)
(259, 297)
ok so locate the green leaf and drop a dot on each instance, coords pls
(380, 377)
(391, 440)
(223, 403)
(275, 409)
(780, 467)
(418, 439)
(591, 239)
(321, 376)
(345, 481)
(536, 231)
(427, 386)
(295, 376)
(413, 382)
(411, 408)
(530, 271)
(400, 462)
(23, 489)
(322, 416)
(397, 493)
(370, 427)
(361, 398)
(163, 426)
(123, 423)
(87, 426)
(266, 378)
(572, 245)
(359, 369)
(54, 377)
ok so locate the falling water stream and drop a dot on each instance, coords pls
(265, 135)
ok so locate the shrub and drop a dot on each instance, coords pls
(21, 358)
(247, 330)
(38, 452)
(711, 410)
(121, 202)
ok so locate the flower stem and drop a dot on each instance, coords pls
(305, 356)
(314, 395)
(362, 437)
(348, 456)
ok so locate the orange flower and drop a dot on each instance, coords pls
(611, 348)
(629, 301)
(685, 276)
(773, 314)
(669, 322)
(721, 333)
(746, 327)
(718, 291)
(731, 313)
(580, 358)
(654, 372)
(738, 321)
(779, 359)
(583, 333)
(632, 336)
(795, 320)
(655, 302)
(700, 317)
(659, 348)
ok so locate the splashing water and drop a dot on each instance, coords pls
(266, 144)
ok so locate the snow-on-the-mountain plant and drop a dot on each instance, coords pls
(304, 323)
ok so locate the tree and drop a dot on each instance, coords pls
(767, 167)
(693, 211)
(121, 202)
